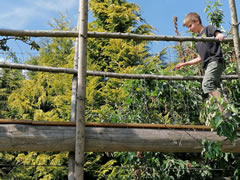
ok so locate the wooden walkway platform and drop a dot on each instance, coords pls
(22, 135)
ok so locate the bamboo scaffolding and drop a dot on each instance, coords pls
(107, 74)
(45, 33)
(109, 139)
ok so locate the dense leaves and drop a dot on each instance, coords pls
(214, 13)
(40, 97)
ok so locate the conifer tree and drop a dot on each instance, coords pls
(46, 96)
(42, 97)
(9, 81)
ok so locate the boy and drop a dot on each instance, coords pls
(209, 53)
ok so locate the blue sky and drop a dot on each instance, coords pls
(36, 15)
(159, 13)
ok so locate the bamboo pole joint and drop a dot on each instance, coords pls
(236, 24)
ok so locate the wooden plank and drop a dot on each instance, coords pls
(23, 137)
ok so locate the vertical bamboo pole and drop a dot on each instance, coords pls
(81, 89)
(71, 159)
(71, 163)
(235, 33)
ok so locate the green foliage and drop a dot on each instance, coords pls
(33, 165)
(41, 96)
(163, 102)
(151, 166)
(105, 96)
(214, 14)
(115, 15)
(113, 55)
(9, 81)
(44, 98)
(27, 40)
(224, 125)
(211, 150)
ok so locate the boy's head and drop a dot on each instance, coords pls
(193, 22)
(191, 18)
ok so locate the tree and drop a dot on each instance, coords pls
(9, 81)
(42, 97)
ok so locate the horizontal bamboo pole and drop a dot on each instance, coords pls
(153, 37)
(38, 68)
(24, 137)
(106, 74)
(38, 33)
(153, 77)
(48, 33)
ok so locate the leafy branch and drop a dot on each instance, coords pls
(214, 14)
(27, 40)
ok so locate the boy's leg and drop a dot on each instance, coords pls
(217, 94)
(211, 82)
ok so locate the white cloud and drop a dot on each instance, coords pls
(54, 5)
(15, 18)
(2, 59)
(33, 13)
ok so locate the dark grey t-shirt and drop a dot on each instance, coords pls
(209, 51)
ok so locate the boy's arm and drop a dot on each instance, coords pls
(220, 36)
(193, 61)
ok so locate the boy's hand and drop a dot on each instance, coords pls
(220, 36)
(178, 66)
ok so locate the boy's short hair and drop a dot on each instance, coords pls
(191, 17)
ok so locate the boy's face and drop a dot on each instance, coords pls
(194, 26)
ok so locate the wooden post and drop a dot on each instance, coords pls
(81, 89)
(235, 33)
(71, 158)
